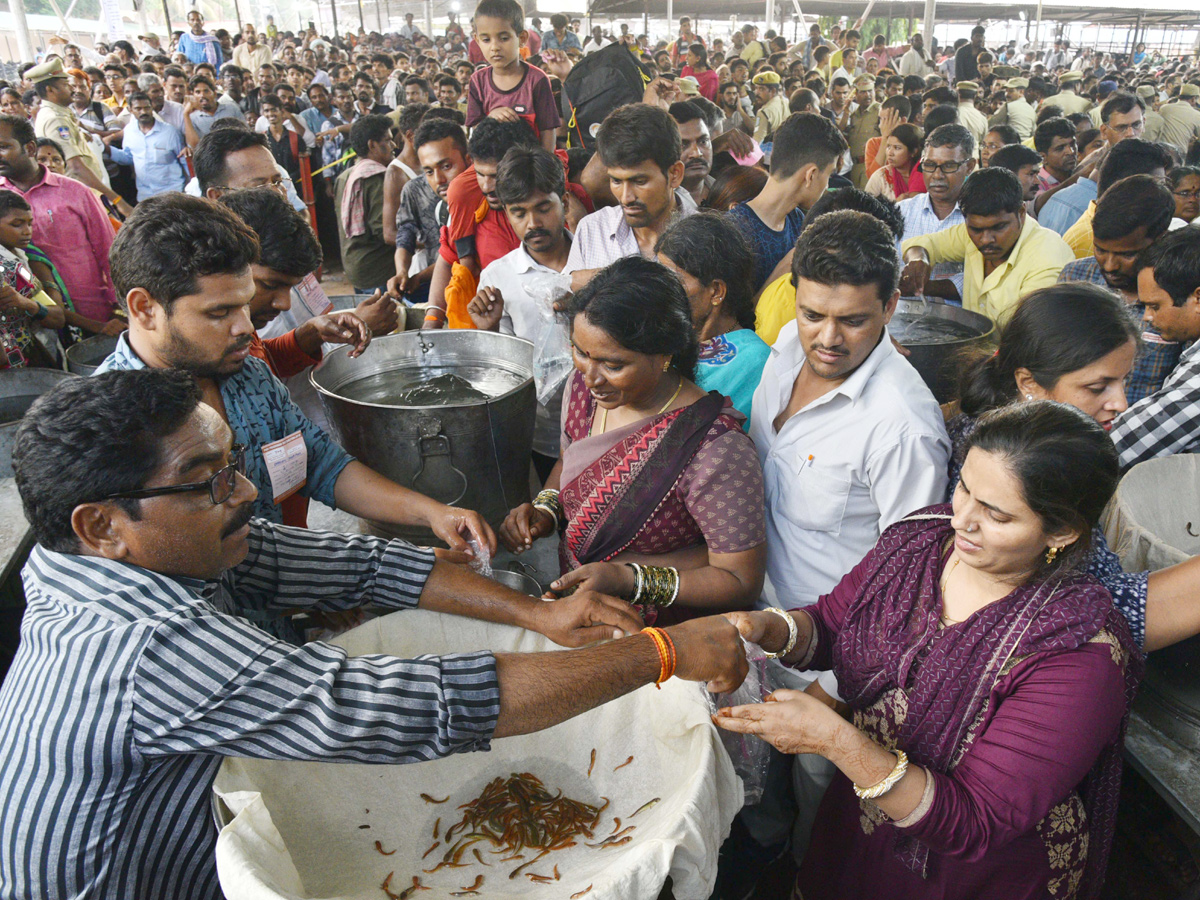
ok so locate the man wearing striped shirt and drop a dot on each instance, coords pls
(137, 670)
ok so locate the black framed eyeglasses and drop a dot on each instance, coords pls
(220, 486)
(947, 168)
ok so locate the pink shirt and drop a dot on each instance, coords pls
(71, 227)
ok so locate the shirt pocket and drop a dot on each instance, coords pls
(813, 497)
(161, 156)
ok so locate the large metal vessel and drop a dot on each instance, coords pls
(84, 357)
(472, 454)
(1153, 522)
(937, 334)
(18, 389)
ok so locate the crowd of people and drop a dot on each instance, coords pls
(739, 451)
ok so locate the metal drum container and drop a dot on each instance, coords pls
(468, 452)
(18, 389)
(1153, 522)
(936, 334)
(84, 357)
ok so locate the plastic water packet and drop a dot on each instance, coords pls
(552, 363)
(749, 753)
(481, 560)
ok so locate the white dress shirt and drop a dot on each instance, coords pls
(843, 468)
(604, 236)
(525, 284)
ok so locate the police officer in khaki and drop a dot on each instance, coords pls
(1066, 99)
(1016, 111)
(864, 125)
(1154, 122)
(772, 109)
(58, 122)
(1181, 118)
(968, 116)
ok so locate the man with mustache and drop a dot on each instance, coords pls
(154, 150)
(143, 666)
(532, 186)
(697, 150)
(850, 438)
(1134, 213)
(640, 147)
(1004, 252)
(181, 265)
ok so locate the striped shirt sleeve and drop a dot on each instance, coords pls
(294, 568)
(210, 683)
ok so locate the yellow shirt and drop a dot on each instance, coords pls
(776, 308)
(1035, 262)
(1079, 235)
(752, 53)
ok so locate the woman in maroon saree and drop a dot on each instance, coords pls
(989, 679)
(653, 470)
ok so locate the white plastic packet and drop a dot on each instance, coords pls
(749, 753)
(552, 362)
(481, 560)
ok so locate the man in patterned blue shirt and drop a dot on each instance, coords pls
(184, 275)
(138, 669)
(1133, 214)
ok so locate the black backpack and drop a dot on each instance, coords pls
(598, 84)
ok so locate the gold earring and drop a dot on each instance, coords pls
(666, 365)
(1051, 555)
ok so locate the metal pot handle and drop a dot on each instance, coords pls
(437, 476)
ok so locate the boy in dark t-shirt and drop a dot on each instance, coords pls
(509, 88)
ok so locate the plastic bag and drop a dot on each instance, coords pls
(481, 559)
(552, 363)
(749, 753)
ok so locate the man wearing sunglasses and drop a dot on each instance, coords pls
(139, 668)
(185, 269)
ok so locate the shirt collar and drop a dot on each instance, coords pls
(123, 353)
(523, 263)
(788, 351)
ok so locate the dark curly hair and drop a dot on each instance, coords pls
(91, 437)
(174, 239)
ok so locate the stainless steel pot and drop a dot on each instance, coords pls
(84, 357)
(18, 389)
(518, 581)
(473, 455)
(938, 362)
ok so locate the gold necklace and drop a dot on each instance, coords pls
(603, 423)
(946, 620)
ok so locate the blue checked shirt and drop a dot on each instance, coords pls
(129, 688)
(1166, 422)
(920, 219)
(1156, 358)
(260, 411)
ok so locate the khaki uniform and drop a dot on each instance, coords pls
(1154, 125)
(974, 121)
(1181, 123)
(1069, 102)
(60, 125)
(864, 125)
(770, 116)
(1017, 113)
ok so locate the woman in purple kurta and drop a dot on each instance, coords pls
(1012, 717)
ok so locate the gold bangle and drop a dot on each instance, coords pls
(793, 633)
(882, 787)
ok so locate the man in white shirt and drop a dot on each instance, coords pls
(640, 146)
(408, 30)
(916, 61)
(516, 292)
(850, 438)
